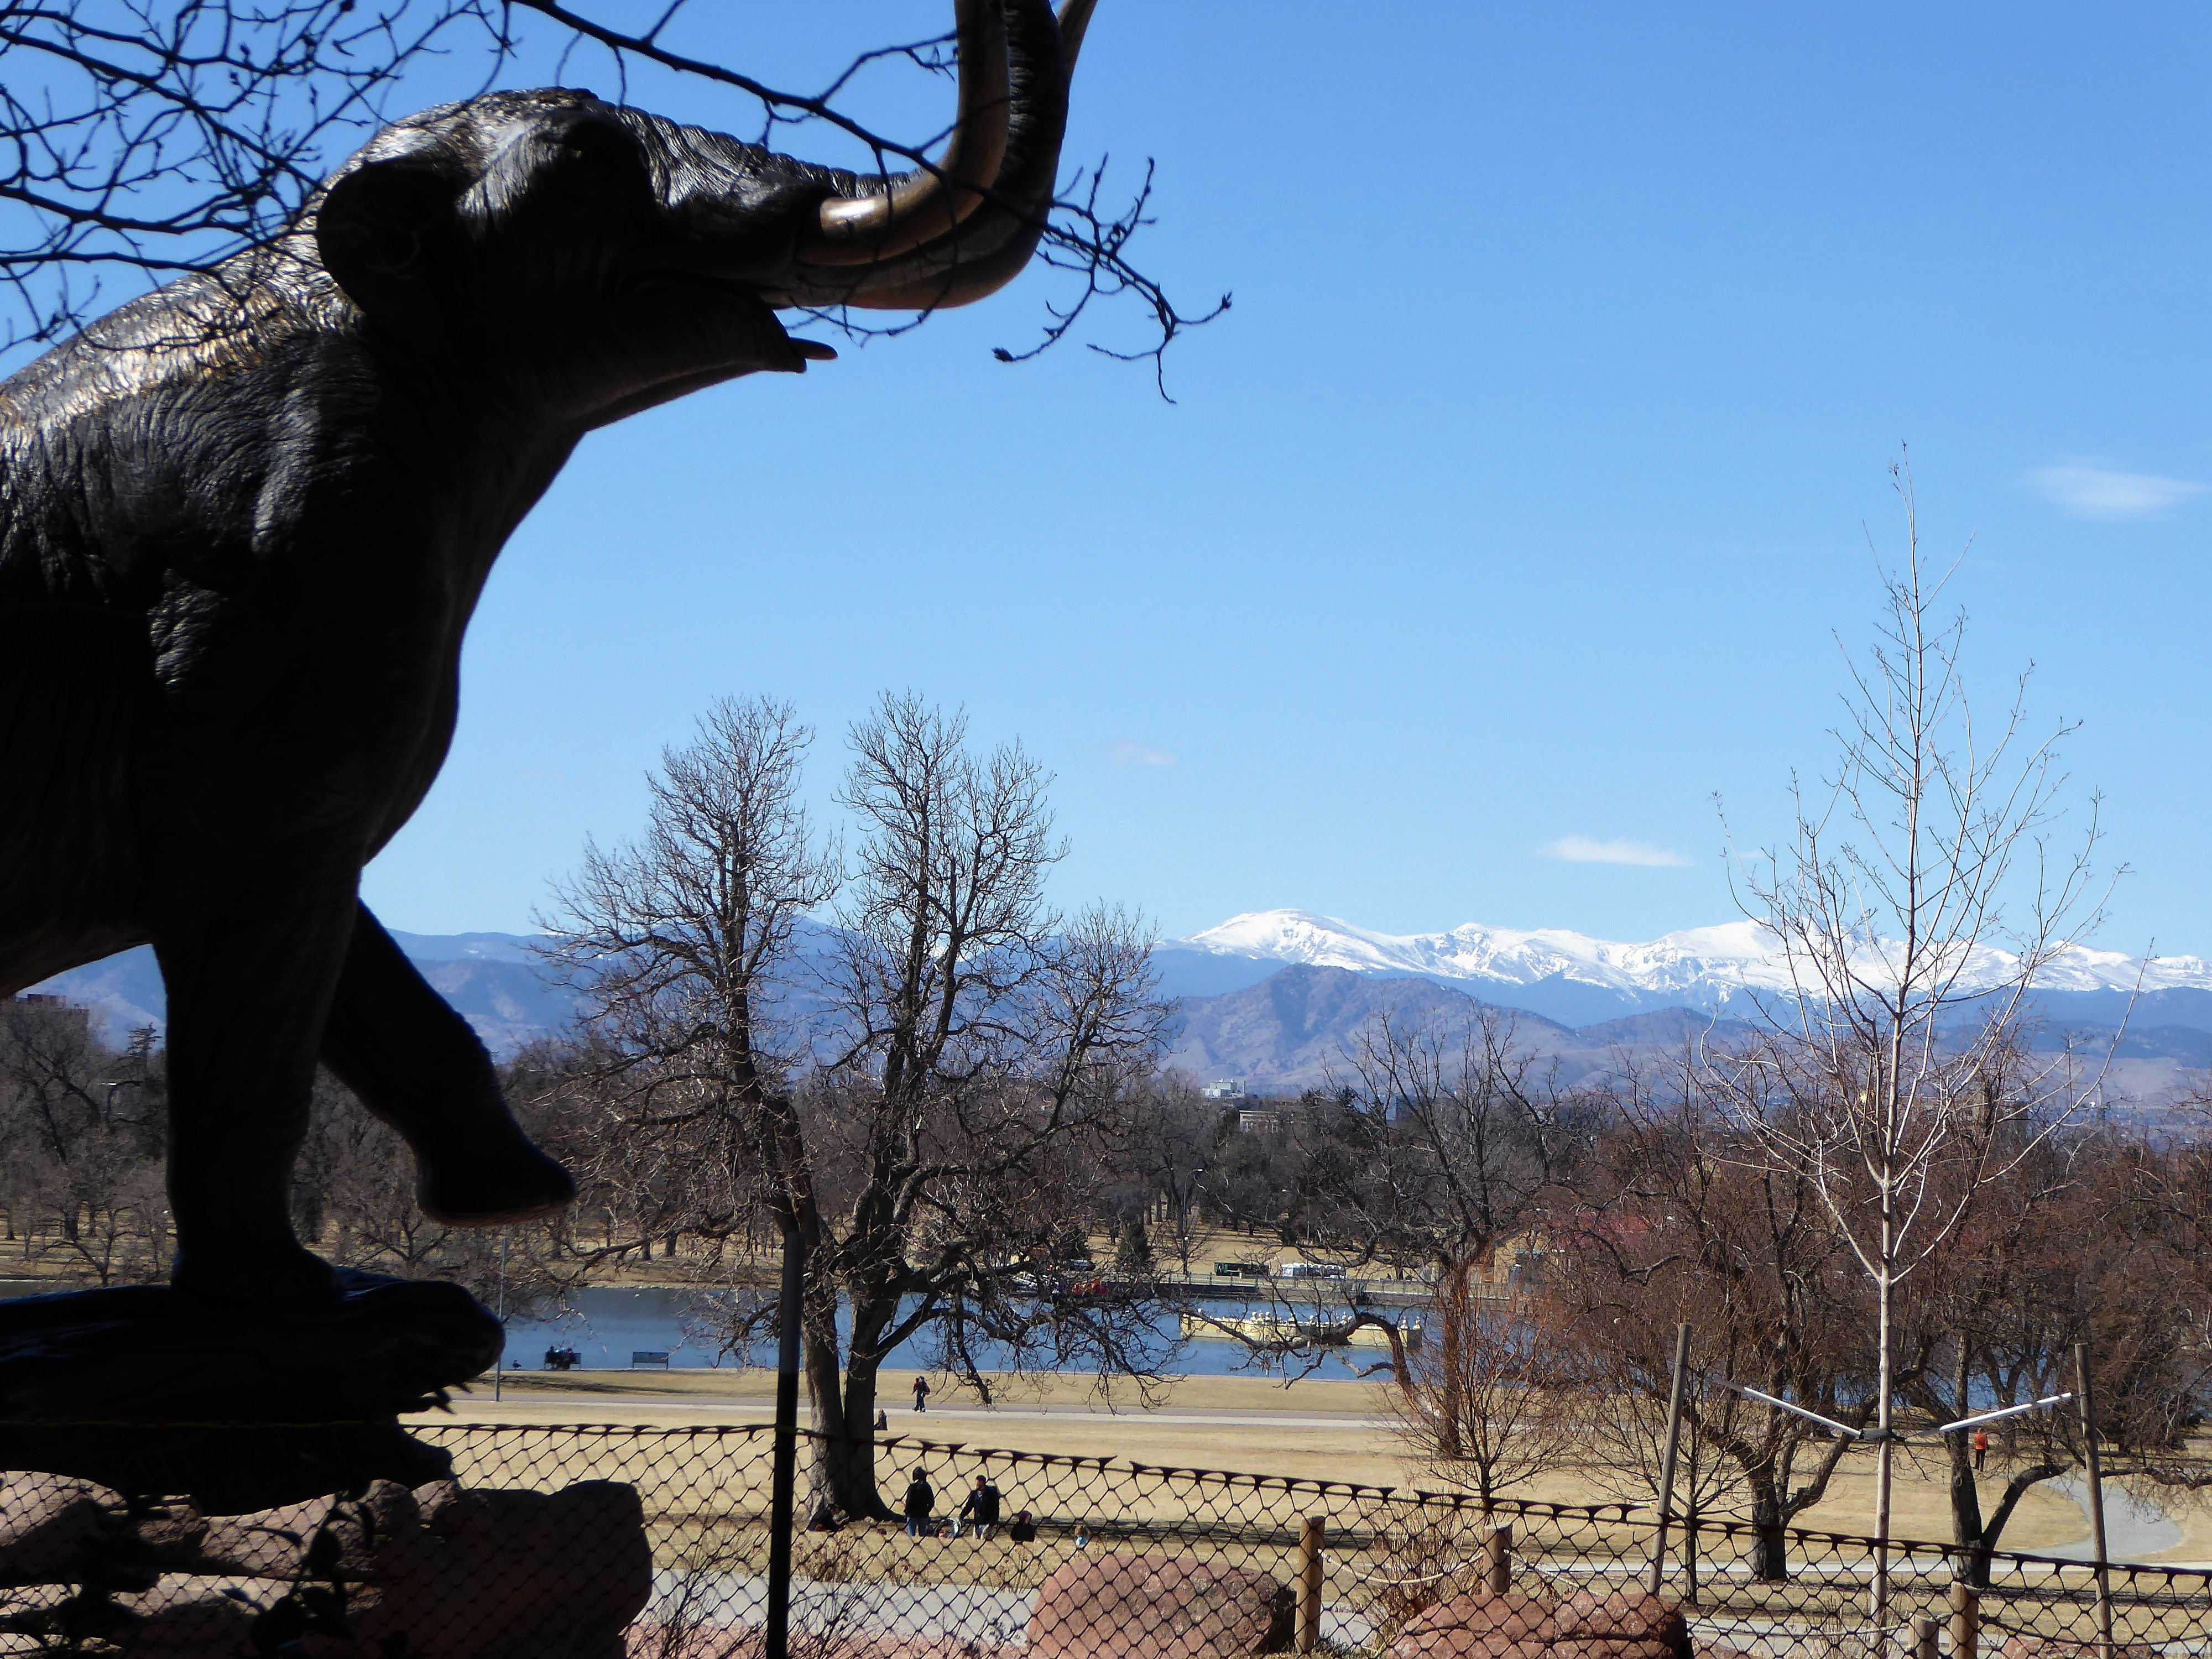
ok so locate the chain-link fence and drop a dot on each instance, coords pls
(654, 1543)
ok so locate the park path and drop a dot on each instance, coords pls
(962, 1614)
(2134, 1530)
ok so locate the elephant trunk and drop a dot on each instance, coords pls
(952, 235)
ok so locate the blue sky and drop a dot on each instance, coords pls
(1516, 503)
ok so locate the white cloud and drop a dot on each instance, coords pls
(1581, 849)
(1128, 752)
(2089, 491)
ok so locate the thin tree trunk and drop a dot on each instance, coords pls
(1886, 1288)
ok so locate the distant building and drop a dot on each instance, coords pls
(1258, 1121)
(1226, 1088)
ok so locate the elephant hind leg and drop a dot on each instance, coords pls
(415, 1063)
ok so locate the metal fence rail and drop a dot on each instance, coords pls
(654, 1543)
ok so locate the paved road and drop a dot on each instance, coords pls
(924, 1424)
(2134, 1530)
(961, 1613)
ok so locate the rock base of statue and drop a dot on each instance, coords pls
(439, 1570)
(239, 1407)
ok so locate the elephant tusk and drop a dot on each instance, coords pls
(1074, 19)
(861, 230)
(964, 281)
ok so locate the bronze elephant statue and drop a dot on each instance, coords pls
(244, 521)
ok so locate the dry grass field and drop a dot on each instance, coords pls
(1314, 1429)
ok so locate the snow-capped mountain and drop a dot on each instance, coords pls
(1573, 977)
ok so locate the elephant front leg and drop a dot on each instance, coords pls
(249, 977)
(415, 1063)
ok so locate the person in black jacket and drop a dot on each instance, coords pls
(982, 1509)
(921, 1503)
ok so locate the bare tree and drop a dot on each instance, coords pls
(988, 1048)
(932, 1109)
(1685, 1222)
(144, 139)
(1170, 1147)
(1493, 1409)
(1437, 1143)
(1623, 1420)
(1919, 902)
(2078, 1245)
(84, 1128)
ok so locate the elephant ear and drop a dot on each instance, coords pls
(380, 230)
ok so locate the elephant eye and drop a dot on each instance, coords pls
(596, 147)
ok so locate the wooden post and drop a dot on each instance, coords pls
(1667, 1460)
(1497, 1559)
(1966, 1620)
(1927, 1639)
(2085, 1395)
(498, 1365)
(1313, 1535)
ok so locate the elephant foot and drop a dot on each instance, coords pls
(492, 1187)
(277, 1275)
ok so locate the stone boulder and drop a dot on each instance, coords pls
(494, 1571)
(438, 1573)
(650, 1640)
(1480, 1626)
(190, 1617)
(268, 1544)
(1105, 1605)
(1591, 1624)
(1620, 1624)
(50, 1525)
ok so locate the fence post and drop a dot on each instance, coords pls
(2085, 1395)
(1966, 1620)
(1497, 1559)
(1313, 1535)
(790, 1310)
(1667, 1460)
(1927, 1639)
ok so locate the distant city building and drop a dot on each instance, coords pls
(1258, 1122)
(1225, 1088)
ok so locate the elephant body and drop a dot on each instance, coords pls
(245, 520)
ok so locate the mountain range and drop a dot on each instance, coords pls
(1273, 997)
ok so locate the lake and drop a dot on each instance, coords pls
(606, 1324)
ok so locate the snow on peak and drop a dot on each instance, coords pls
(1695, 962)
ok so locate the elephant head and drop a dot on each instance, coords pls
(589, 260)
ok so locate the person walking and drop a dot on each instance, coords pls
(921, 1503)
(980, 1511)
(1981, 1448)
(921, 1394)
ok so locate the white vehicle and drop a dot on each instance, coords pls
(1309, 1270)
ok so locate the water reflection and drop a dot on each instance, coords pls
(607, 1324)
